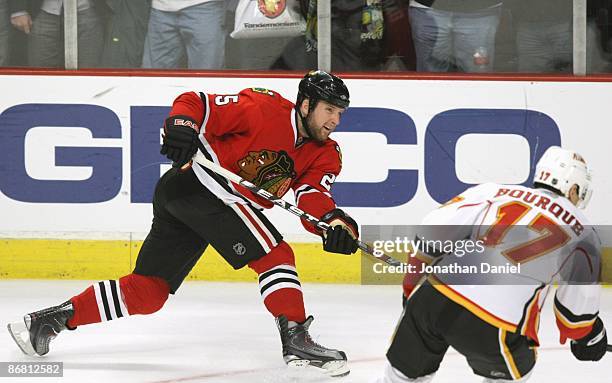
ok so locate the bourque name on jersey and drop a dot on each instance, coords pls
(545, 204)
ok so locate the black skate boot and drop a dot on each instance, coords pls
(299, 350)
(39, 328)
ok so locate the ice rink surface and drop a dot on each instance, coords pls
(221, 332)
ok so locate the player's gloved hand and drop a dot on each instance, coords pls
(180, 139)
(593, 346)
(342, 236)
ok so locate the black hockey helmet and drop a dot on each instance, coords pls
(320, 85)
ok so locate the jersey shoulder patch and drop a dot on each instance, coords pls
(264, 91)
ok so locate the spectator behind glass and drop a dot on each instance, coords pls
(4, 33)
(543, 34)
(599, 36)
(348, 50)
(43, 21)
(454, 35)
(185, 30)
(126, 29)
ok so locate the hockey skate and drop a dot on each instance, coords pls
(299, 350)
(39, 328)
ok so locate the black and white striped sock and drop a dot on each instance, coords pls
(110, 302)
(279, 277)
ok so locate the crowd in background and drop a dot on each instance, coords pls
(366, 35)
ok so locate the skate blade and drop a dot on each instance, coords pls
(21, 335)
(336, 368)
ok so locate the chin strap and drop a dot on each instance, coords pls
(304, 120)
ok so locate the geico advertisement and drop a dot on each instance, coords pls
(81, 154)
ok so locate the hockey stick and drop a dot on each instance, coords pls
(202, 160)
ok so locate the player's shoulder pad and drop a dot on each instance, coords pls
(584, 220)
(332, 145)
(472, 193)
(330, 156)
(477, 189)
(266, 97)
(260, 93)
(481, 189)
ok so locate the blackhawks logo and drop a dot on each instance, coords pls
(270, 170)
(271, 8)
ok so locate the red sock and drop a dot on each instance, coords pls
(85, 309)
(279, 283)
(108, 300)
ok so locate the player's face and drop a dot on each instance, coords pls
(573, 195)
(323, 120)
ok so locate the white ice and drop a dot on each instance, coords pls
(221, 332)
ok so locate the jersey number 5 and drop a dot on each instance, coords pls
(226, 99)
(508, 215)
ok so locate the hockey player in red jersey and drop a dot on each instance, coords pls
(491, 319)
(267, 140)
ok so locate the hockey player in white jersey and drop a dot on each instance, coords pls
(532, 237)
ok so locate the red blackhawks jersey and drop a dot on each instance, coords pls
(254, 134)
(544, 233)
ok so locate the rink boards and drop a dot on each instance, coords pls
(79, 157)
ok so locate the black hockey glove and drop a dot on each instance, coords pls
(342, 236)
(593, 346)
(180, 139)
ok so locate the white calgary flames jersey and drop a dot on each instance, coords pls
(525, 240)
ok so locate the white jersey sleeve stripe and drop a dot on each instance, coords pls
(213, 185)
